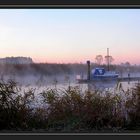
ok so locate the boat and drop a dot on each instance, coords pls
(99, 74)
(102, 77)
(102, 74)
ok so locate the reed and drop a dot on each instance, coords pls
(69, 110)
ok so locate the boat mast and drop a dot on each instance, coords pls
(108, 58)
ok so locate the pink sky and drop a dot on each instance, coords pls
(70, 35)
(134, 59)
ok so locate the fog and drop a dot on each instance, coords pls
(41, 74)
(52, 75)
(59, 76)
(40, 80)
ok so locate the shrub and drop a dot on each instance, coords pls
(68, 110)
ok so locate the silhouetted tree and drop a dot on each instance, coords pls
(99, 59)
(127, 64)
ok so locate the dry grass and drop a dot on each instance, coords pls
(70, 111)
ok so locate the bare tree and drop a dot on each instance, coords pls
(99, 59)
(127, 64)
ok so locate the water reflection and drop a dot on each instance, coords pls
(111, 85)
(102, 85)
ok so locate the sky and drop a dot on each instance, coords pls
(70, 35)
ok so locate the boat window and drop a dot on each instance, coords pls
(100, 71)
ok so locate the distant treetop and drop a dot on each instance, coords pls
(16, 60)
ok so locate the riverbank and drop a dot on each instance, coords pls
(69, 110)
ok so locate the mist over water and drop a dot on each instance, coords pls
(63, 81)
(61, 76)
(41, 80)
(29, 78)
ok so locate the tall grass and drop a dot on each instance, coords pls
(68, 110)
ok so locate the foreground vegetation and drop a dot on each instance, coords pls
(68, 110)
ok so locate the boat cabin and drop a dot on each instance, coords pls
(102, 73)
(98, 71)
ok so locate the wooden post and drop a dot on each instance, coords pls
(88, 73)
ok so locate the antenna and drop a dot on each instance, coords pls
(108, 57)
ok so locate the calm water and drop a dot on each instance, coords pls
(114, 88)
(40, 83)
(63, 84)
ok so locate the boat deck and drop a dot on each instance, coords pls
(119, 79)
